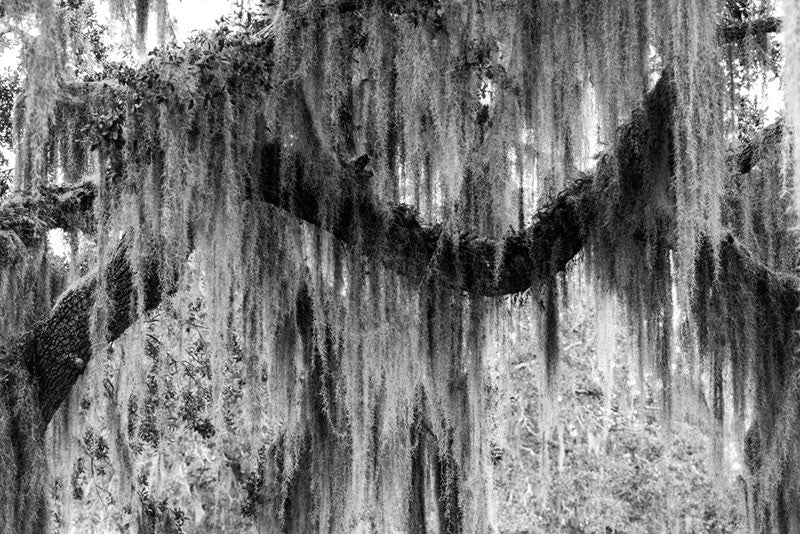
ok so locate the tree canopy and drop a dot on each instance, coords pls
(355, 198)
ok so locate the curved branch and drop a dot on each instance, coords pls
(57, 349)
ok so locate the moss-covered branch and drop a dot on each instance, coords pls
(56, 350)
(465, 260)
(25, 218)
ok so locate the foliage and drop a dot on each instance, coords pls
(612, 463)
(149, 459)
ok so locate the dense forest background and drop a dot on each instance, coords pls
(426, 266)
(612, 460)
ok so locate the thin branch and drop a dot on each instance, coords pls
(766, 141)
(736, 31)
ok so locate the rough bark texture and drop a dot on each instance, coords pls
(57, 349)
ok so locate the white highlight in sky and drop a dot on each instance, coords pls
(192, 15)
(188, 16)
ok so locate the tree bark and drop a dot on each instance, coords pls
(57, 349)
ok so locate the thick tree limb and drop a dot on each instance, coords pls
(57, 349)
(468, 262)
